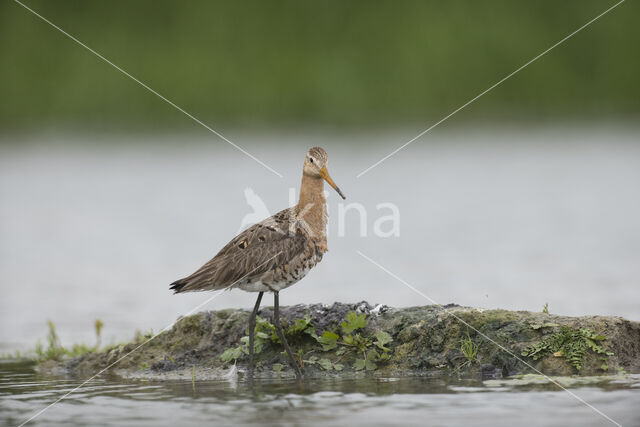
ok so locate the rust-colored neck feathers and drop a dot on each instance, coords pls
(312, 207)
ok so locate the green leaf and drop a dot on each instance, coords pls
(544, 325)
(370, 365)
(300, 324)
(312, 360)
(328, 340)
(359, 364)
(572, 344)
(354, 321)
(341, 351)
(231, 354)
(258, 343)
(325, 364)
(338, 366)
(347, 339)
(383, 338)
(384, 357)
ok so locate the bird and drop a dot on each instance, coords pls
(275, 253)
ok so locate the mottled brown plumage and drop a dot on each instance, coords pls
(275, 253)
(263, 253)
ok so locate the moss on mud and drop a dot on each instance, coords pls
(426, 341)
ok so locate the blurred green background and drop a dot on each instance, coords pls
(328, 63)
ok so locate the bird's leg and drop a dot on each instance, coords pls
(252, 327)
(276, 322)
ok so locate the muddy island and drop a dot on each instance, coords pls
(362, 339)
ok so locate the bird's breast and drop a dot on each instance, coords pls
(285, 275)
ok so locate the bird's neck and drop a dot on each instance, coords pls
(312, 207)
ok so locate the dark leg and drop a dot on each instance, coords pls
(252, 327)
(276, 322)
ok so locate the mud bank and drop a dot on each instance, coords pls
(427, 340)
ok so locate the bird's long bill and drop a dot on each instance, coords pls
(325, 174)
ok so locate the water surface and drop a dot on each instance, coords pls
(365, 401)
(97, 226)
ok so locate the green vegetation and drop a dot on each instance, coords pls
(354, 341)
(265, 332)
(98, 326)
(469, 349)
(572, 344)
(545, 309)
(323, 363)
(330, 62)
(298, 330)
(425, 339)
(141, 337)
(368, 351)
(56, 351)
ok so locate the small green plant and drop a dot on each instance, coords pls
(98, 326)
(324, 363)
(604, 366)
(372, 350)
(545, 309)
(264, 333)
(56, 351)
(354, 322)
(142, 337)
(572, 344)
(469, 349)
(353, 340)
(298, 329)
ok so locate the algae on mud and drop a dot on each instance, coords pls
(426, 340)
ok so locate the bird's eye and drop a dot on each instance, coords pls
(311, 159)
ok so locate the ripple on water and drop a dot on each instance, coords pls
(317, 402)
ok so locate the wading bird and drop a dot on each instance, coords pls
(275, 253)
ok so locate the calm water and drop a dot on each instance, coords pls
(383, 401)
(97, 228)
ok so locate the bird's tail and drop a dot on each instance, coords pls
(178, 285)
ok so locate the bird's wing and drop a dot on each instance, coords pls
(258, 249)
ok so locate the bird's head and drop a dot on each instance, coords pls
(315, 165)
